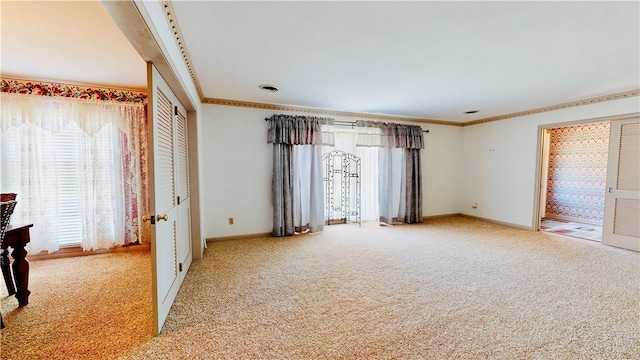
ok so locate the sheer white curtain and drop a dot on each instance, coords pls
(399, 174)
(369, 192)
(391, 189)
(308, 198)
(71, 162)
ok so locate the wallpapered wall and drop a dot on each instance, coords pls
(576, 183)
(26, 87)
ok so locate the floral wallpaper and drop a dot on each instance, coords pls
(70, 91)
(576, 183)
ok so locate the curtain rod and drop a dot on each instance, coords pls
(353, 124)
(349, 123)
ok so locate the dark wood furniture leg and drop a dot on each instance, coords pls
(21, 273)
(6, 272)
(17, 237)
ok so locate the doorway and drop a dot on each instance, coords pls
(362, 161)
(573, 179)
(341, 187)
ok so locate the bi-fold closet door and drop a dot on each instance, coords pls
(171, 252)
(621, 226)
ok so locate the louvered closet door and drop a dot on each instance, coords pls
(164, 233)
(182, 195)
(622, 202)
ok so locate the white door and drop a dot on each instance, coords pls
(621, 226)
(167, 229)
(185, 254)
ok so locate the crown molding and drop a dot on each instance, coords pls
(258, 105)
(589, 101)
(177, 35)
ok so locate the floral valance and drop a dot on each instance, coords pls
(299, 130)
(13, 86)
(379, 134)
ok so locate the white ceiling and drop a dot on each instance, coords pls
(67, 41)
(431, 60)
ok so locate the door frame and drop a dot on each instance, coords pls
(540, 161)
(130, 19)
(148, 31)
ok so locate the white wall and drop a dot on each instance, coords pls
(237, 167)
(500, 159)
(441, 162)
(236, 171)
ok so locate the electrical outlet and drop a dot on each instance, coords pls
(474, 205)
(230, 221)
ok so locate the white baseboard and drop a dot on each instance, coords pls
(498, 222)
(433, 217)
(238, 237)
(424, 218)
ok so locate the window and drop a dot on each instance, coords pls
(71, 162)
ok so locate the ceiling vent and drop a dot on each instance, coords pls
(269, 88)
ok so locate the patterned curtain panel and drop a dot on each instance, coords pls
(400, 175)
(282, 190)
(413, 187)
(297, 185)
(300, 130)
(378, 134)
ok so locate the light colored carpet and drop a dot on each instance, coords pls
(454, 288)
(90, 307)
